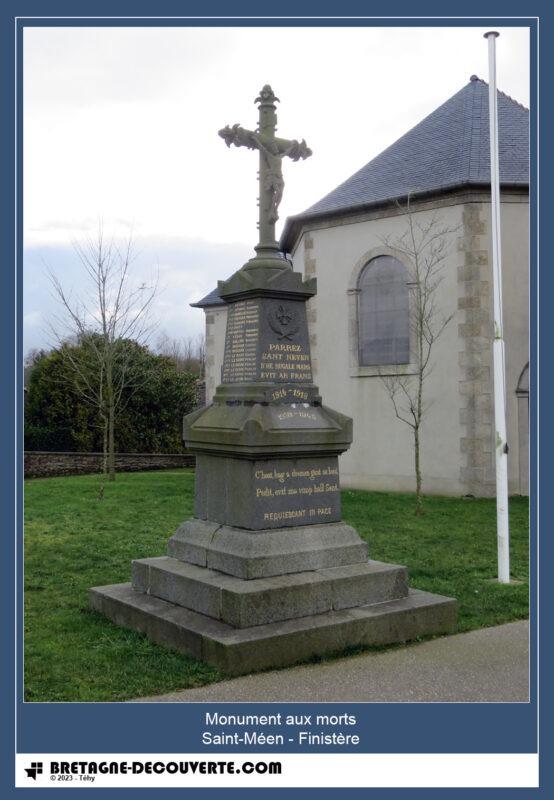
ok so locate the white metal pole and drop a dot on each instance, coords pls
(501, 445)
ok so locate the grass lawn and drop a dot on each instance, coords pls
(74, 540)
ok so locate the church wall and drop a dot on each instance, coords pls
(477, 469)
(475, 332)
(216, 322)
(515, 260)
(458, 434)
(381, 456)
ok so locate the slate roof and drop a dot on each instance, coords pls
(448, 149)
(211, 299)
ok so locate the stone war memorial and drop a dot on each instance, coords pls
(267, 574)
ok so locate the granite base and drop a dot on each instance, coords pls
(237, 651)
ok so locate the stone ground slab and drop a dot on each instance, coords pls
(238, 651)
(487, 665)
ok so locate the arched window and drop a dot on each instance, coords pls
(383, 313)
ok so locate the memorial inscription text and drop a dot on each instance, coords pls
(288, 493)
(240, 362)
(266, 341)
(285, 362)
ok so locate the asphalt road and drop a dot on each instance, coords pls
(487, 665)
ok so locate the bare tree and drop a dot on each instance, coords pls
(109, 312)
(200, 355)
(188, 354)
(30, 361)
(423, 248)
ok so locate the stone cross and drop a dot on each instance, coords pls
(272, 151)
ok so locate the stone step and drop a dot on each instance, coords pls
(278, 644)
(261, 554)
(244, 604)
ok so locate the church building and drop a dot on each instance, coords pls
(431, 187)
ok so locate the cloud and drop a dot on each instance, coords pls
(32, 319)
(188, 270)
(115, 65)
(121, 124)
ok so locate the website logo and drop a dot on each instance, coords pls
(34, 770)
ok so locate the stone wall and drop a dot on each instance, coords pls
(475, 333)
(42, 464)
(200, 394)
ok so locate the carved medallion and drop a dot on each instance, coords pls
(283, 320)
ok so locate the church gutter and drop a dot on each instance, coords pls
(294, 224)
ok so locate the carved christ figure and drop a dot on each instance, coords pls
(272, 150)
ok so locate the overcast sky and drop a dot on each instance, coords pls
(121, 124)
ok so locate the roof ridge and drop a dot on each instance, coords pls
(476, 78)
(473, 79)
(391, 147)
(448, 147)
(479, 113)
(469, 128)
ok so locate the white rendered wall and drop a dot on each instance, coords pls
(381, 456)
(515, 291)
(216, 323)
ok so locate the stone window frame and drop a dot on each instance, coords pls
(522, 395)
(377, 370)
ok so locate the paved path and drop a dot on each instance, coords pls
(491, 664)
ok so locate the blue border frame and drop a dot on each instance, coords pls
(385, 727)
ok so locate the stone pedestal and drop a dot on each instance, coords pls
(249, 600)
(237, 649)
(267, 574)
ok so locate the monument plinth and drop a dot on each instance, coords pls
(266, 573)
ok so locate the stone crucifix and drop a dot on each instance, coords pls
(272, 150)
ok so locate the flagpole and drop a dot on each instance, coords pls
(501, 445)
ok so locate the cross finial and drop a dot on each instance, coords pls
(267, 96)
(272, 151)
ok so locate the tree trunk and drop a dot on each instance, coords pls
(111, 419)
(419, 499)
(104, 444)
(111, 442)
(419, 416)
